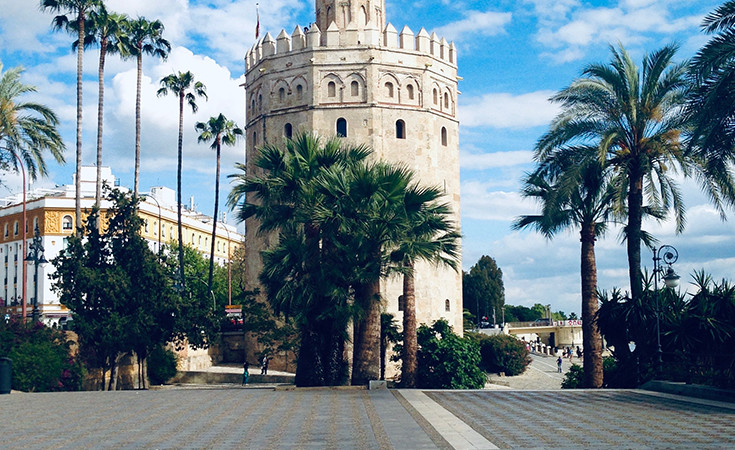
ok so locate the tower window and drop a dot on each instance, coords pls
(255, 138)
(447, 307)
(341, 127)
(282, 95)
(288, 130)
(446, 100)
(355, 88)
(389, 89)
(444, 136)
(401, 303)
(409, 89)
(400, 129)
(436, 97)
(331, 89)
(260, 101)
(300, 91)
(252, 104)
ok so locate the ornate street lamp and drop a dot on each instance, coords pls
(35, 255)
(669, 255)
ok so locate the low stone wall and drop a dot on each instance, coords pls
(228, 378)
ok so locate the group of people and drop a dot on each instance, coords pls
(568, 352)
(246, 368)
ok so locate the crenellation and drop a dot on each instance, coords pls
(268, 46)
(371, 35)
(352, 35)
(423, 41)
(443, 49)
(434, 47)
(313, 37)
(452, 54)
(331, 37)
(283, 42)
(406, 39)
(390, 36)
(298, 39)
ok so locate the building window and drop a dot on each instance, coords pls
(163, 232)
(401, 303)
(35, 223)
(436, 96)
(260, 101)
(341, 127)
(193, 241)
(355, 88)
(288, 130)
(252, 104)
(255, 138)
(282, 95)
(15, 228)
(6, 230)
(145, 225)
(66, 223)
(444, 136)
(171, 231)
(389, 89)
(447, 307)
(446, 100)
(400, 129)
(409, 90)
(300, 91)
(331, 89)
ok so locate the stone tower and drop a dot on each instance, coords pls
(349, 74)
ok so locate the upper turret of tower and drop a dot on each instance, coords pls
(355, 14)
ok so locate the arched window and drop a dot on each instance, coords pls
(400, 129)
(355, 88)
(299, 91)
(436, 96)
(288, 130)
(409, 89)
(255, 138)
(218, 244)
(444, 136)
(15, 228)
(145, 224)
(260, 101)
(341, 127)
(447, 307)
(35, 224)
(331, 89)
(200, 241)
(6, 230)
(252, 104)
(163, 232)
(401, 303)
(171, 231)
(282, 95)
(446, 100)
(389, 89)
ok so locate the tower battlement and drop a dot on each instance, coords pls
(313, 39)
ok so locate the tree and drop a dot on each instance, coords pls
(574, 190)
(78, 10)
(389, 334)
(220, 131)
(631, 119)
(447, 361)
(144, 38)
(106, 30)
(183, 86)
(482, 288)
(27, 129)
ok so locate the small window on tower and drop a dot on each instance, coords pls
(400, 129)
(331, 89)
(355, 88)
(300, 91)
(446, 100)
(341, 127)
(401, 303)
(409, 89)
(260, 101)
(389, 89)
(282, 95)
(436, 96)
(288, 130)
(444, 136)
(447, 306)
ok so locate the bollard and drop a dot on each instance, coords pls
(6, 373)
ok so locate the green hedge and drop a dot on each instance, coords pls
(447, 361)
(162, 364)
(502, 353)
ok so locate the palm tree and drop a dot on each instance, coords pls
(79, 10)
(26, 129)
(574, 190)
(106, 30)
(183, 86)
(144, 37)
(632, 119)
(431, 236)
(220, 131)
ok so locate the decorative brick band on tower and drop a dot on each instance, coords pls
(397, 92)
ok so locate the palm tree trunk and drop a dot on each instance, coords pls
(78, 181)
(635, 221)
(410, 344)
(137, 122)
(100, 122)
(216, 211)
(591, 341)
(178, 190)
(366, 357)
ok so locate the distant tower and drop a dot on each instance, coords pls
(352, 75)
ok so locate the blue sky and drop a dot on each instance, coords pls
(513, 55)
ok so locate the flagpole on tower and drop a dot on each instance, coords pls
(257, 23)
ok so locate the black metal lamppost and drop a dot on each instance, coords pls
(35, 255)
(669, 255)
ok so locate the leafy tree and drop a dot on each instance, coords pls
(183, 86)
(389, 334)
(502, 353)
(145, 37)
(220, 131)
(447, 361)
(162, 363)
(482, 287)
(27, 129)
(521, 314)
(630, 119)
(572, 316)
(74, 22)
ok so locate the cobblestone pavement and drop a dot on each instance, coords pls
(234, 417)
(542, 374)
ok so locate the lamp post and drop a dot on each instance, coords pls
(669, 255)
(25, 221)
(229, 261)
(151, 197)
(35, 255)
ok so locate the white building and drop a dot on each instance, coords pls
(52, 211)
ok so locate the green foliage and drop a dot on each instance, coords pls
(162, 363)
(574, 378)
(521, 314)
(502, 353)
(447, 361)
(41, 358)
(482, 288)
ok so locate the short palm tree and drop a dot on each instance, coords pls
(78, 11)
(632, 119)
(144, 38)
(106, 30)
(574, 190)
(186, 89)
(220, 131)
(26, 129)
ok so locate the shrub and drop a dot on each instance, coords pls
(502, 353)
(447, 361)
(162, 364)
(574, 378)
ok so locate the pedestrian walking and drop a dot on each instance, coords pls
(558, 364)
(579, 353)
(245, 374)
(264, 365)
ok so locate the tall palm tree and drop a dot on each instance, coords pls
(183, 86)
(77, 10)
(220, 131)
(574, 190)
(144, 37)
(106, 30)
(26, 129)
(631, 118)
(430, 235)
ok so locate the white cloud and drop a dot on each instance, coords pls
(481, 201)
(483, 161)
(504, 110)
(485, 23)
